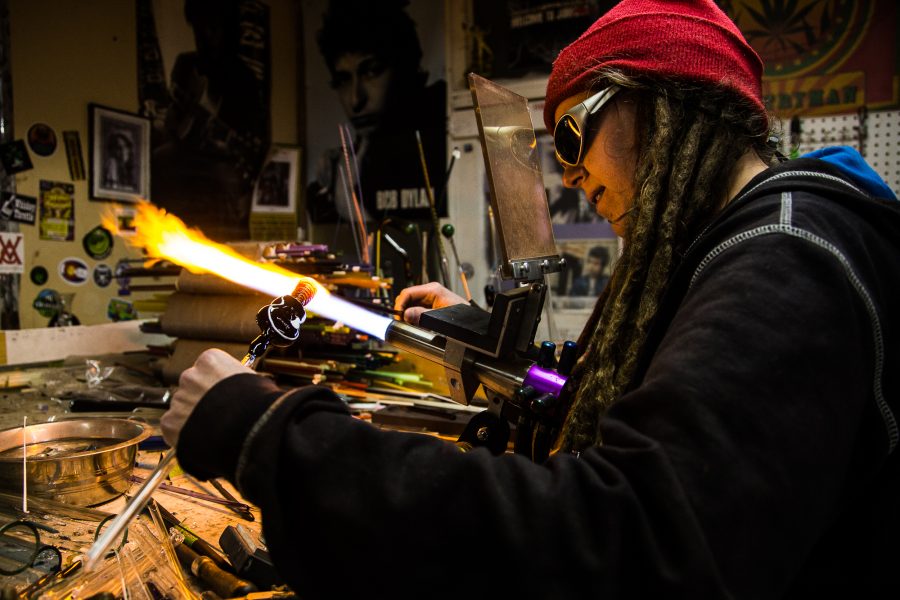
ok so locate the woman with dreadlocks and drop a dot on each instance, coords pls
(733, 433)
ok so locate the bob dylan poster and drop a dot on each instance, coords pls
(376, 68)
(204, 71)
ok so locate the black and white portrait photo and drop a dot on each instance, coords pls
(120, 155)
(276, 187)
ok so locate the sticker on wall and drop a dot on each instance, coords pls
(103, 275)
(120, 310)
(125, 216)
(18, 208)
(47, 303)
(57, 307)
(12, 253)
(74, 156)
(42, 139)
(98, 242)
(57, 211)
(121, 278)
(14, 157)
(74, 271)
(39, 275)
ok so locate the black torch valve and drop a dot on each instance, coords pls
(279, 321)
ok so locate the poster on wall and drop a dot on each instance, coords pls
(374, 69)
(823, 56)
(204, 71)
(57, 207)
(18, 208)
(12, 253)
(515, 38)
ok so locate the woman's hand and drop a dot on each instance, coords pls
(211, 367)
(415, 300)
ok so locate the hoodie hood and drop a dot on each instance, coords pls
(854, 166)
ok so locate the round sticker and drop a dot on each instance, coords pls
(42, 139)
(74, 270)
(39, 276)
(47, 303)
(103, 275)
(98, 242)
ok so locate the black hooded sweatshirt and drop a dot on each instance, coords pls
(754, 456)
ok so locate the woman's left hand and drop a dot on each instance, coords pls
(211, 367)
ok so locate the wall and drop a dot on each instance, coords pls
(68, 54)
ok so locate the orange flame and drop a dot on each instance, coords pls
(164, 235)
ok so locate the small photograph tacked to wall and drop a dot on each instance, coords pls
(588, 265)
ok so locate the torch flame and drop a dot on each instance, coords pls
(166, 236)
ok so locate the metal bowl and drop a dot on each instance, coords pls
(78, 461)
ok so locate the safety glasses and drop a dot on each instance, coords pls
(570, 131)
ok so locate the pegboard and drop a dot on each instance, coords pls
(881, 146)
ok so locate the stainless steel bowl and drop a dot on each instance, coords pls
(78, 461)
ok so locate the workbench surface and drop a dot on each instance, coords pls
(36, 395)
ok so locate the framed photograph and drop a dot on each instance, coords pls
(278, 183)
(119, 155)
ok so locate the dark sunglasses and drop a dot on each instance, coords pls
(569, 132)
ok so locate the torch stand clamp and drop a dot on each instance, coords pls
(486, 348)
(509, 327)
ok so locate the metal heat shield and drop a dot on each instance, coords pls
(518, 197)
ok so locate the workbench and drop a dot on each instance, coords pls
(36, 395)
(52, 392)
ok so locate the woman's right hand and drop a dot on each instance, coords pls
(415, 300)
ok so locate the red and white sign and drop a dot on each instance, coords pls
(12, 253)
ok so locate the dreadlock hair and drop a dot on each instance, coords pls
(688, 141)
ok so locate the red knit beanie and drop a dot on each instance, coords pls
(679, 39)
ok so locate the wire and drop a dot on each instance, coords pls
(442, 255)
(352, 222)
(356, 206)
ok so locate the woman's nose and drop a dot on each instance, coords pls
(360, 97)
(573, 176)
